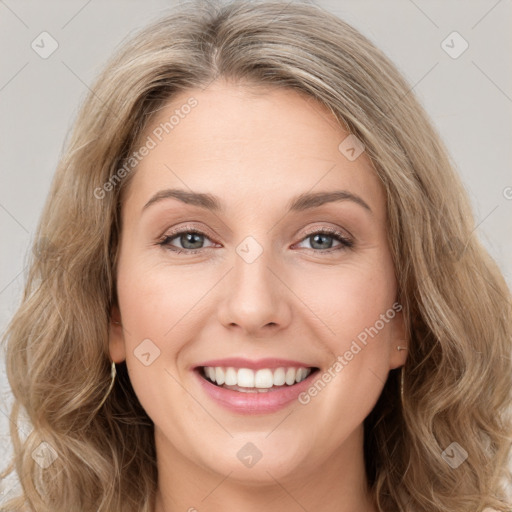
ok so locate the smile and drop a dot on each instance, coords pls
(251, 387)
(247, 380)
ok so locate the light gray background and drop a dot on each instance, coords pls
(469, 100)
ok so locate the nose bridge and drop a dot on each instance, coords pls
(251, 268)
(255, 297)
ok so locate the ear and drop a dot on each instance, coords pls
(116, 343)
(399, 341)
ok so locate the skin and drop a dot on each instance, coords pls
(255, 149)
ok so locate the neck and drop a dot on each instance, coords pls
(335, 483)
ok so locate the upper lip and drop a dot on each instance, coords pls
(254, 364)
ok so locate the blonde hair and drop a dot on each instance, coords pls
(458, 376)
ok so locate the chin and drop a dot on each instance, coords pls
(259, 461)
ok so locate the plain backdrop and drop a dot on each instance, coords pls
(469, 99)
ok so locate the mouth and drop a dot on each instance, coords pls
(251, 387)
(262, 380)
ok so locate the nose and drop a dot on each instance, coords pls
(256, 301)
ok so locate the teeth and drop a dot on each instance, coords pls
(264, 378)
(279, 377)
(290, 376)
(231, 377)
(219, 376)
(301, 374)
(245, 378)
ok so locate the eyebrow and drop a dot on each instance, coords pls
(299, 203)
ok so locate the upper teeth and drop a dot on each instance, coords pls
(247, 378)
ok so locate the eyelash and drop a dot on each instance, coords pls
(345, 242)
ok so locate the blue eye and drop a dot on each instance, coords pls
(185, 237)
(192, 241)
(319, 238)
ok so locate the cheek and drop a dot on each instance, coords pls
(358, 308)
(155, 300)
(352, 301)
(151, 308)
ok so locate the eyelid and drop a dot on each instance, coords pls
(186, 229)
(329, 229)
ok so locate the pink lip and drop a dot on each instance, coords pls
(254, 403)
(240, 362)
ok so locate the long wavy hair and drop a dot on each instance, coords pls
(458, 377)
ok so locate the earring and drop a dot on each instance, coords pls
(402, 385)
(113, 374)
(401, 377)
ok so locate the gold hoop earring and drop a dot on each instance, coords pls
(113, 374)
(402, 385)
(399, 348)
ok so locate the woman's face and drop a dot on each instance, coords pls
(258, 289)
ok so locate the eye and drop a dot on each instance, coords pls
(190, 239)
(321, 240)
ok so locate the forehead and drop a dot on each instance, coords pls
(249, 144)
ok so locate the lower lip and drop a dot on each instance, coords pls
(254, 403)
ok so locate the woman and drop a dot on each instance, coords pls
(257, 369)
